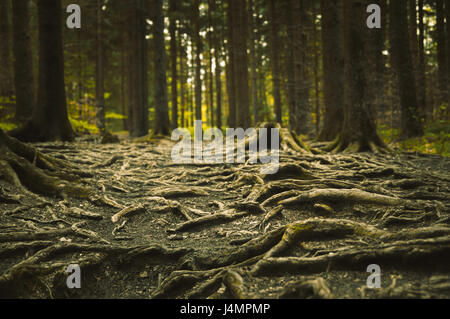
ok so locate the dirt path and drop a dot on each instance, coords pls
(155, 229)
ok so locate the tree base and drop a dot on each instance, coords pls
(35, 173)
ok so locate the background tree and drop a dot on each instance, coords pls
(359, 129)
(50, 120)
(23, 61)
(138, 90)
(6, 83)
(400, 50)
(162, 124)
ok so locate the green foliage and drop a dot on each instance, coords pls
(83, 127)
(436, 139)
(7, 126)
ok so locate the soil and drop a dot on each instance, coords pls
(151, 228)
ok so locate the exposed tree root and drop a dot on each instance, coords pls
(403, 255)
(27, 169)
(36, 264)
(349, 196)
(235, 211)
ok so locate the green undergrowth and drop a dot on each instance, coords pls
(436, 139)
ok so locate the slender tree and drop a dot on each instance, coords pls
(162, 123)
(100, 70)
(6, 83)
(421, 80)
(400, 50)
(274, 57)
(173, 60)
(218, 70)
(23, 61)
(441, 40)
(230, 67)
(241, 56)
(198, 63)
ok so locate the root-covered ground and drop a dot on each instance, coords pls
(146, 227)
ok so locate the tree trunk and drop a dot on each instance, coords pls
(138, 92)
(251, 20)
(50, 120)
(23, 61)
(182, 82)
(218, 70)
(210, 73)
(410, 118)
(198, 63)
(231, 78)
(100, 71)
(274, 47)
(173, 57)
(441, 40)
(447, 13)
(6, 83)
(333, 69)
(241, 56)
(447, 10)
(358, 133)
(422, 83)
(162, 122)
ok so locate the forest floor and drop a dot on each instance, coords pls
(155, 229)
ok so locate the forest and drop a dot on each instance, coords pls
(94, 93)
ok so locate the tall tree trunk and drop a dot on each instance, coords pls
(6, 83)
(23, 61)
(358, 133)
(182, 82)
(230, 72)
(241, 56)
(333, 69)
(100, 71)
(254, 77)
(410, 118)
(274, 54)
(198, 63)
(447, 13)
(162, 122)
(218, 70)
(292, 24)
(441, 40)
(50, 120)
(422, 83)
(137, 84)
(173, 57)
(210, 73)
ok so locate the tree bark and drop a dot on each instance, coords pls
(162, 122)
(6, 83)
(274, 47)
(231, 78)
(100, 71)
(441, 40)
(173, 57)
(241, 65)
(251, 20)
(23, 61)
(400, 50)
(333, 69)
(358, 133)
(198, 63)
(138, 92)
(50, 120)
(422, 88)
